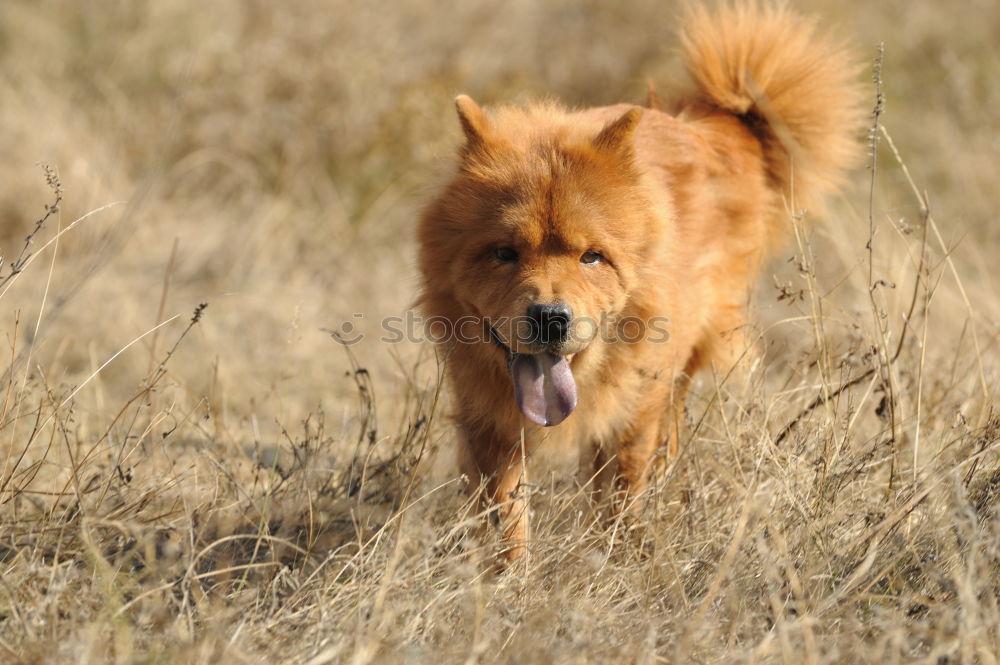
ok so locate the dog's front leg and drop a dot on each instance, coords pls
(511, 498)
(636, 453)
(653, 431)
(499, 466)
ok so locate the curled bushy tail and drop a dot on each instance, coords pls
(795, 89)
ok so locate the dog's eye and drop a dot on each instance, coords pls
(505, 254)
(590, 258)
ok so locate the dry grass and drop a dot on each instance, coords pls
(242, 489)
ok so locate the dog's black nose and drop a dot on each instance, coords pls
(549, 323)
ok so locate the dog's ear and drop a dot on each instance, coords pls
(475, 124)
(616, 137)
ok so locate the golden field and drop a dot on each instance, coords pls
(245, 489)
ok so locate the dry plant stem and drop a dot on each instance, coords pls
(163, 303)
(821, 399)
(16, 268)
(815, 302)
(24, 257)
(819, 334)
(522, 486)
(929, 220)
(366, 647)
(397, 518)
(879, 316)
(151, 383)
(825, 397)
(9, 378)
(739, 533)
(8, 283)
(12, 279)
(928, 294)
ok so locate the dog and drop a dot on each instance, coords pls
(587, 263)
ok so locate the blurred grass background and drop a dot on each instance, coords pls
(286, 149)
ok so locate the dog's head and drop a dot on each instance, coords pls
(538, 237)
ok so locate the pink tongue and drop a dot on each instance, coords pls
(544, 387)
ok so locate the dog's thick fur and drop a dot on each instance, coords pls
(679, 209)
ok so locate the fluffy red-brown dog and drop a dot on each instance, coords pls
(588, 263)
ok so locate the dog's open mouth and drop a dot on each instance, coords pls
(543, 384)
